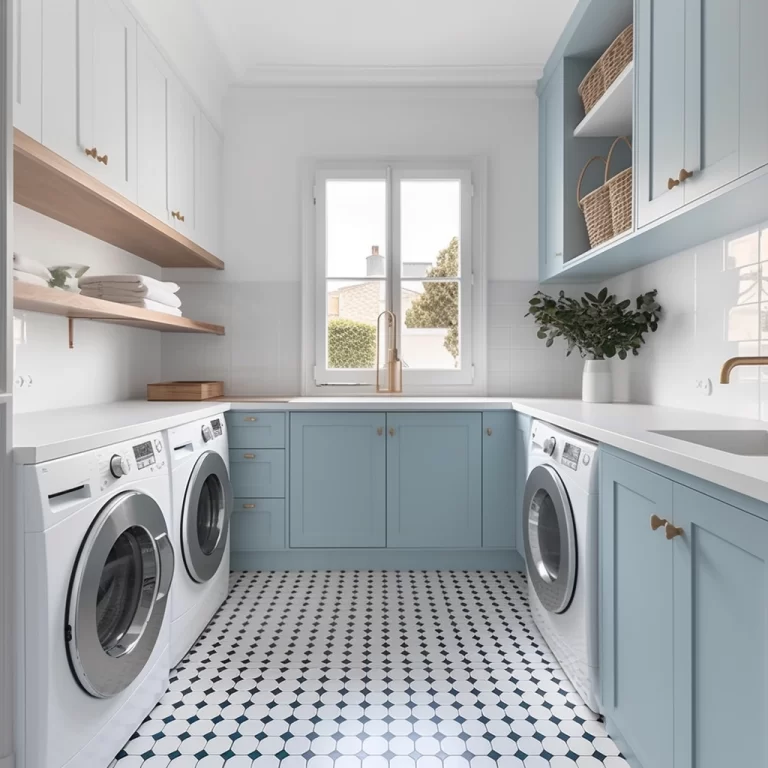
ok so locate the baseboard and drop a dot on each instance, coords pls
(379, 560)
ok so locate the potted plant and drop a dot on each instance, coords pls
(599, 328)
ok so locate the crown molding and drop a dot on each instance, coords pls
(340, 76)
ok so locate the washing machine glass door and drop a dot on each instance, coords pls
(205, 516)
(550, 539)
(117, 595)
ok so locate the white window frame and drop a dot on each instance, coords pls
(471, 171)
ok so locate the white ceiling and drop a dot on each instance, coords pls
(437, 41)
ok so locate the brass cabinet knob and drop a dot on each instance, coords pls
(251, 418)
(657, 522)
(177, 215)
(249, 506)
(380, 431)
(671, 531)
(489, 431)
(391, 431)
(685, 174)
(672, 183)
(103, 159)
(92, 152)
(249, 455)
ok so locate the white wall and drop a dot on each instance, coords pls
(108, 362)
(715, 301)
(179, 28)
(269, 133)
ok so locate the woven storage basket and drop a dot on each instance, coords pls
(620, 192)
(596, 207)
(607, 68)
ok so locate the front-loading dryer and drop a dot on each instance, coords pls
(201, 494)
(560, 534)
(96, 566)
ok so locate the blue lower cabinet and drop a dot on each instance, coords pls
(499, 507)
(257, 473)
(254, 429)
(337, 480)
(522, 436)
(257, 524)
(637, 612)
(720, 634)
(434, 480)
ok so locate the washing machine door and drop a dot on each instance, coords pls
(550, 538)
(205, 517)
(117, 594)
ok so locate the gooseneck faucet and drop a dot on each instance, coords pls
(735, 362)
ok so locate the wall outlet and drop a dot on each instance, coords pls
(704, 386)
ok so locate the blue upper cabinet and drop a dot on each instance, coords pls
(499, 507)
(637, 611)
(753, 86)
(337, 480)
(720, 633)
(434, 480)
(660, 35)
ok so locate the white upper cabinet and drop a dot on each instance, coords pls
(183, 131)
(208, 187)
(28, 67)
(753, 86)
(154, 82)
(89, 88)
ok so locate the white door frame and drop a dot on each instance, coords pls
(7, 533)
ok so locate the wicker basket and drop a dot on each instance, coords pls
(596, 207)
(620, 192)
(607, 68)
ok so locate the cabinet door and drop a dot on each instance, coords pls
(499, 507)
(337, 480)
(753, 137)
(712, 40)
(183, 130)
(207, 181)
(434, 480)
(522, 437)
(637, 610)
(107, 91)
(661, 106)
(28, 67)
(721, 633)
(153, 92)
(551, 173)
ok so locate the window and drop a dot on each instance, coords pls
(395, 237)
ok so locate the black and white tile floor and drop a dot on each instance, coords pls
(371, 669)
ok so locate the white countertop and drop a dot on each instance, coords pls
(47, 435)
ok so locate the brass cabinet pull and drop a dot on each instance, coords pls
(672, 531)
(672, 183)
(103, 159)
(657, 522)
(380, 431)
(251, 418)
(177, 215)
(93, 152)
(249, 506)
(685, 174)
(391, 431)
(249, 455)
(489, 431)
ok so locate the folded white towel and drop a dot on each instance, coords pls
(31, 267)
(130, 282)
(156, 306)
(26, 277)
(115, 294)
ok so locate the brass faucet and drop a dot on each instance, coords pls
(734, 362)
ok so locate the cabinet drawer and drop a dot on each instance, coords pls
(257, 474)
(258, 524)
(249, 429)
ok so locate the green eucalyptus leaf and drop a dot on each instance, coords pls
(601, 297)
(591, 297)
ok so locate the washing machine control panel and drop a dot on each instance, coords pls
(144, 453)
(218, 430)
(571, 456)
(126, 462)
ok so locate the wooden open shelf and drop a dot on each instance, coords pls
(51, 185)
(54, 301)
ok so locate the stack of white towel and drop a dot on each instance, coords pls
(134, 290)
(30, 271)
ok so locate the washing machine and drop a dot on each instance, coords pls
(96, 566)
(560, 532)
(201, 495)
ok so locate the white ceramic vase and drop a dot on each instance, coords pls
(597, 382)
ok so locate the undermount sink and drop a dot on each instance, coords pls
(744, 442)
